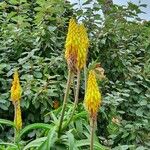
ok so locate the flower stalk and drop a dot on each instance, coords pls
(75, 54)
(71, 47)
(76, 93)
(65, 100)
(92, 102)
(92, 134)
(76, 100)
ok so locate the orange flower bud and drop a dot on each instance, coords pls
(55, 104)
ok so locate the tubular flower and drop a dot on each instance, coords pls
(77, 43)
(15, 97)
(83, 46)
(17, 118)
(72, 45)
(92, 98)
(16, 88)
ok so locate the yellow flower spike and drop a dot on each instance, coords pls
(92, 98)
(82, 47)
(72, 45)
(77, 43)
(15, 98)
(84, 36)
(17, 118)
(16, 88)
(76, 50)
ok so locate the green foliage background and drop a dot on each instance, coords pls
(32, 37)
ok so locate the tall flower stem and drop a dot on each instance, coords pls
(77, 93)
(65, 100)
(16, 139)
(16, 129)
(76, 100)
(15, 98)
(92, 134)
(74, 87)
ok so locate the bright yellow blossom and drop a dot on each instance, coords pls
(82, 47)
(16, 88)
(76, 46)
(92, 98)
(15, 97)
(72, 44)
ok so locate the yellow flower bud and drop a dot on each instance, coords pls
(92, 98)
(16, 88)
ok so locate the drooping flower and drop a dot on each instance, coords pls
(16, 88)
(18, 118)
(92, 98)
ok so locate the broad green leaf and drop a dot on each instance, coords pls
(35, 143)
(139, 112)
(7, 122)
(141, 148)
(34, 126)
(10, 146)
(49, 142)
(97, 146)
(52, 137)
(71, 140)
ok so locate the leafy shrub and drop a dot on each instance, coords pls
(32, 36)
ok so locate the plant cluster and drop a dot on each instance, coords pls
(32, 39)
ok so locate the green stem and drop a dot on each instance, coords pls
(16, 132)
(17, 139)
(15, 116)
(92, 134)
(76, 100)
(65, 100)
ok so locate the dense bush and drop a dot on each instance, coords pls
(29, 33)
(32, 36)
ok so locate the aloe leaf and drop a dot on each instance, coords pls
(97, 146)
(35, 143)
(34, 126)
(7, 122)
